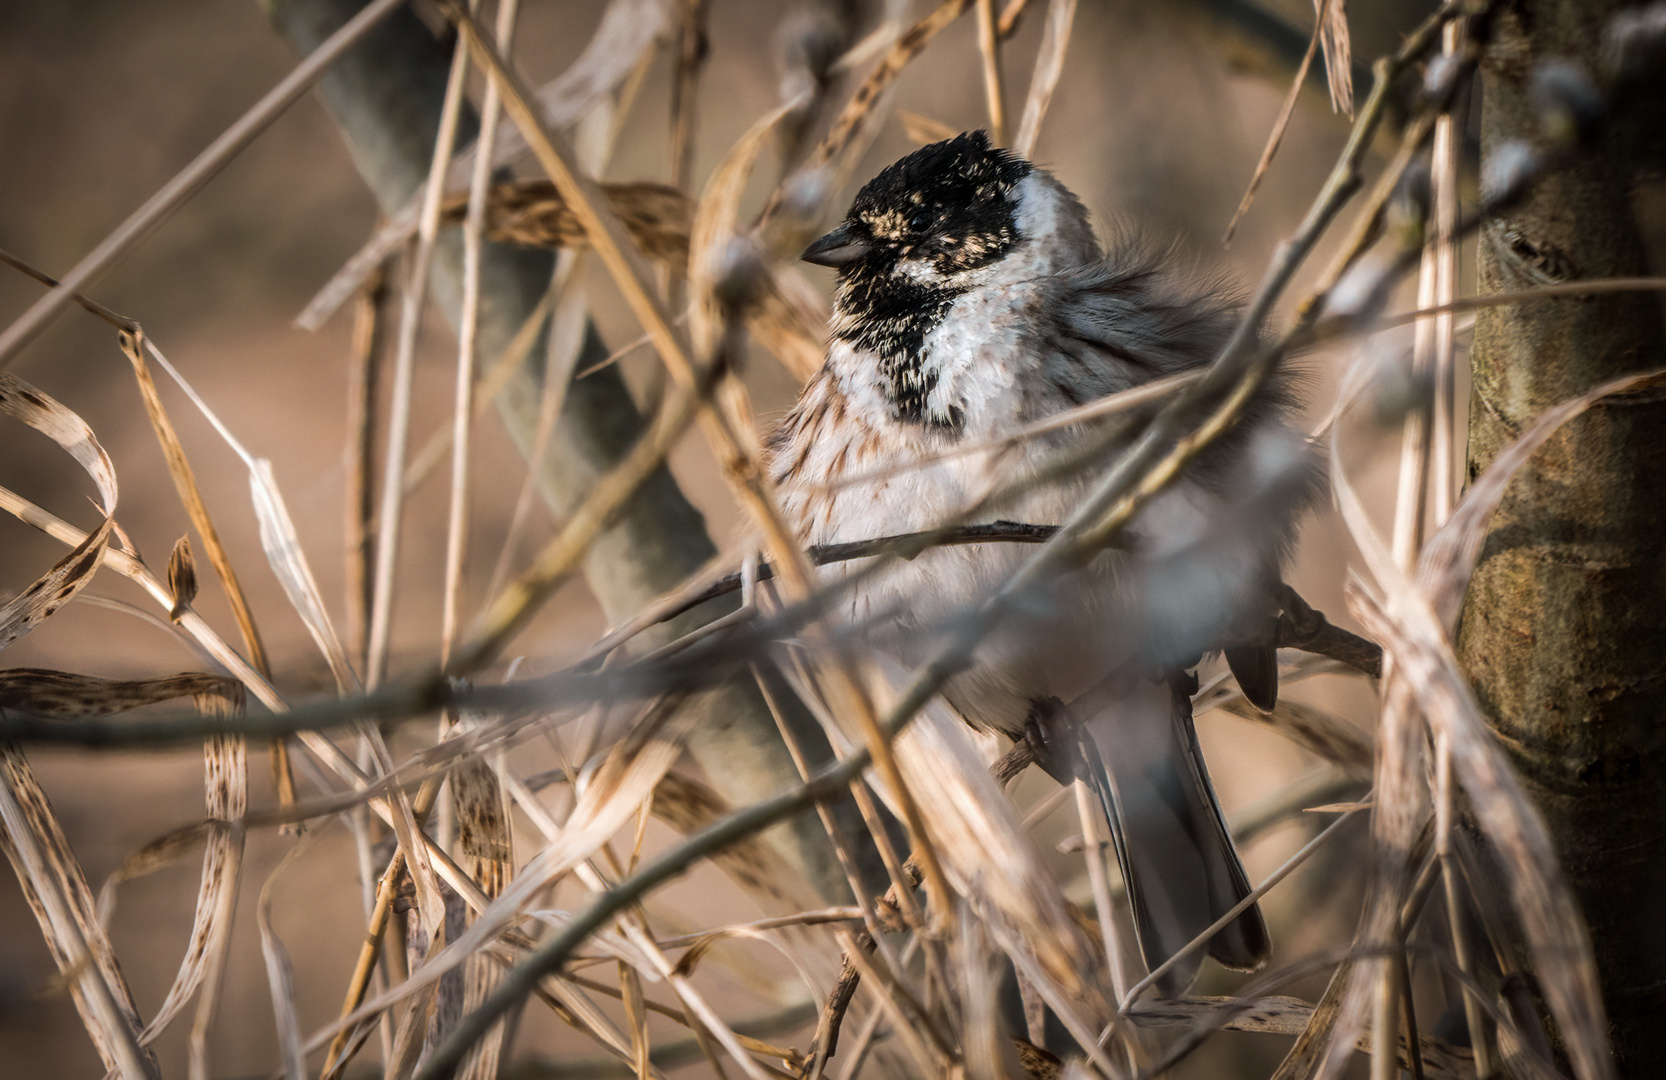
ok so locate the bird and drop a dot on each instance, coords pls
(974, 299)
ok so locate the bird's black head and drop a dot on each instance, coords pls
(950, 206)
(904, 252)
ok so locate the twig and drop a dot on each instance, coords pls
(1276, 137)
(1594, 287)
(159, 207)
(989, 45)
(1008, 24)
(1237, 909)
(550, 956)
(120, 322)
(412, 298)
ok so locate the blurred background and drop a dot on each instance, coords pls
(1160, 117)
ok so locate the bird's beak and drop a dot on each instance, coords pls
(837, 248)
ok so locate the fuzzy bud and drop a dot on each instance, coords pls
(1509, 171)
(1439, 76)
(1362, 289)
(1634, 47)
(738, 274)
(1408, 210)
(1568, 105)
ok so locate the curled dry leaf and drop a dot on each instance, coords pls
(533, 213)
(788, 314)
(1339, 54)
(627, 30)
(56, 889)
(66, 695)
(58, 585)
(226, 788)
(607, 804)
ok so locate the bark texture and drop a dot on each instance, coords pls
(1564, 629)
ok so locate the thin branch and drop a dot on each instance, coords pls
(1276, 137)
(159, 207)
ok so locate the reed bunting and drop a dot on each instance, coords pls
(973, 301)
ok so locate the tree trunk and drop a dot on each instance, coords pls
(386, 95)
(1564, 629)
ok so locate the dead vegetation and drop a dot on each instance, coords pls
(503, 899)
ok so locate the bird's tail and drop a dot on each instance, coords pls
(1140, 755)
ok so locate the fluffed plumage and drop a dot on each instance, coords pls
(974, 299)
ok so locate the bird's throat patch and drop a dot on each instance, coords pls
(890, 320)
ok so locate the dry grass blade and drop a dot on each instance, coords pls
(1400, 811)
(359, 455)
(280, 972)
(190, 496)
(990, 859)
(787, 318)
(189, 180)
(1550, 918)
(924, 129)
(70, 574)
(278, 537)
(1313, 729)
(56, 889)
(226, 782)
(692, 47)
(464, 382)
(120, 322)
(1010, 17)
(1449, 557)
(689, 806)
(64, 695)
(610, 802)
(486, 845)
(413, 298)
(1285, 111)
(627, 30)
(989, 47)
(852, 120)
(130, 567)
(712, 230)
(1049, 67)
(1276, 1015)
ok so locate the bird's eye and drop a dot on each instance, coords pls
(921, 221)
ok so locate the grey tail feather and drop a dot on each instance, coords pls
(1177, 858)
(1256, 669)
